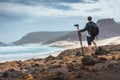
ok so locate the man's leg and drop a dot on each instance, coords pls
(94, 42)
(89, 40)
(89, 50)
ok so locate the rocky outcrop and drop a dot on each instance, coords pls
(66, 66)
(108, 28)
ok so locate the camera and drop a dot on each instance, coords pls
(76, 25)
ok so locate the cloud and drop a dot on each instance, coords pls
(34, 11)
(18, 17)
(61, 8)
(93, 10)
(48, 1)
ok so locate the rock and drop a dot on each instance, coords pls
(101, 51)
(67, 53)
(70, 67)
(35, 65)
(57, 74)
(1, 74)
(50, 58)
(105, 57)
(90, 69)
(112, 64)
(12, 73)
(29, 77)
(88, 60)
(55, 65)
(116, 56)
(5, 74)
(74, 76)
(52, 78)
(79, 54)
(99, 67)
(68, 59)
(56, 78)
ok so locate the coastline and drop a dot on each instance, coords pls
(73, 45)
(65, 66)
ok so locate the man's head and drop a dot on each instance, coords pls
(89, 18)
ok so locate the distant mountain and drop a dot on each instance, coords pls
(2, 44)
(118, 23)
(40, 37)
(71, 36)
(108, 28)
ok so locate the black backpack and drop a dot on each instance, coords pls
(94, 29)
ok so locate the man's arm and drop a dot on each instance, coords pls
(84, 29)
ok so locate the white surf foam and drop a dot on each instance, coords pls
(23, 52)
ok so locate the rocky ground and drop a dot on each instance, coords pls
(66, 66)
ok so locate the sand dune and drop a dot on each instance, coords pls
(76, 44)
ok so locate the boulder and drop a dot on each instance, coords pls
(50, 57)
(88, 60)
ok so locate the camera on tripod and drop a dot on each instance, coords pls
(76, 25)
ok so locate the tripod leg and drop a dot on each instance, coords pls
(80, 39)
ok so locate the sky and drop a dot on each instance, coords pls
(19, 17)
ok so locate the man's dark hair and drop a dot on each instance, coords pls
(89, 18)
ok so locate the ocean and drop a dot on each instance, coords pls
(25, 52)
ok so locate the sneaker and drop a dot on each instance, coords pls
(98, 51)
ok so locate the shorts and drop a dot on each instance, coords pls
(90, 40)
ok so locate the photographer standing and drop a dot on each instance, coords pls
(92, 32)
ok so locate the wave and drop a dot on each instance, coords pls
(23, 52)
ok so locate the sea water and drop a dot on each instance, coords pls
(24, 52)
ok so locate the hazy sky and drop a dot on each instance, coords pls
(19, 17)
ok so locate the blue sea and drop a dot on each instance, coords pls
(24, 52)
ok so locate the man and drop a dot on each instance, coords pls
(90, 39)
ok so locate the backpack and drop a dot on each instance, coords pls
(94, 29)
